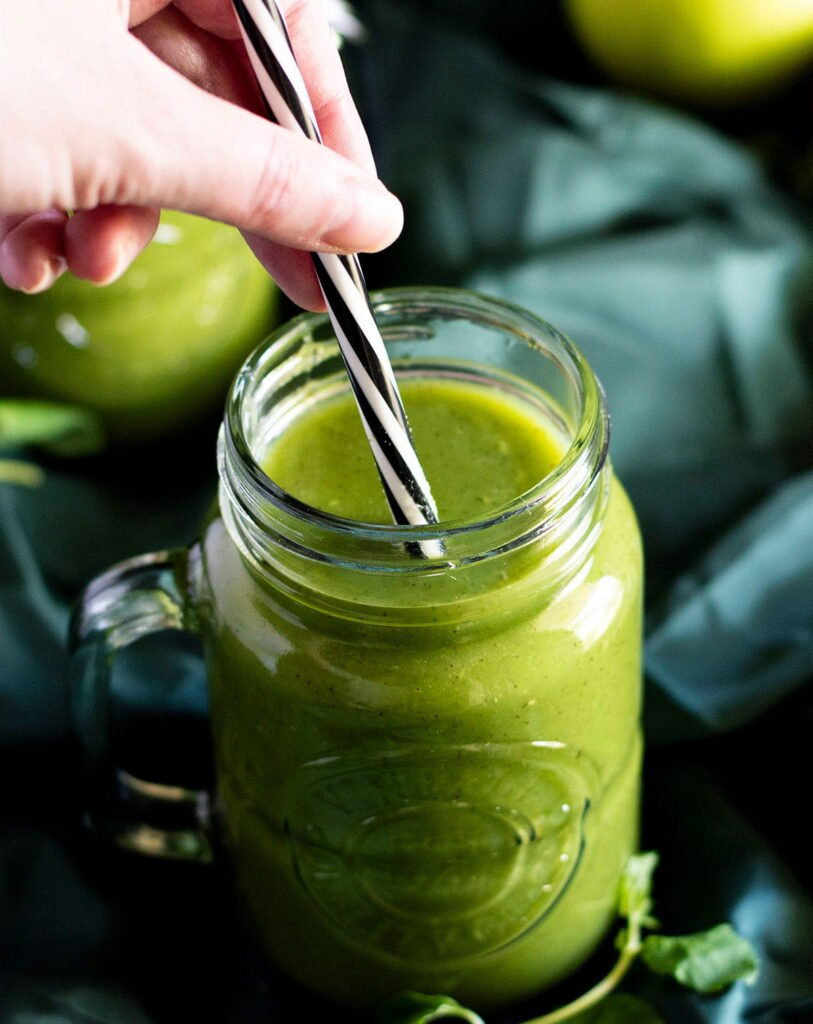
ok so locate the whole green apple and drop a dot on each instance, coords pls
(154, 350)
(713, 52)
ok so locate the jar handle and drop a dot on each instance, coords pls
(137, 597)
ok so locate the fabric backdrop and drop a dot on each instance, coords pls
(662, 250)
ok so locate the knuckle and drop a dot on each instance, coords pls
(31, 176)
(332, 108)
(87, 186)
(294, 11)
(275, 189)
(121, 176)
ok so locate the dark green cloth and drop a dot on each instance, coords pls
(661, 249)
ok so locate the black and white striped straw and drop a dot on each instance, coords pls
(365, 357)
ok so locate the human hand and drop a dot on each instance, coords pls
(112, 124)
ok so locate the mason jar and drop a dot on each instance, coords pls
(427, 739)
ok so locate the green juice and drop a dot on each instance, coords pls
(429, 782)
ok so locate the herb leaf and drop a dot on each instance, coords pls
(25, 474)
(620, 1008)
(64, 429)
(706, 961)
(415, 1008)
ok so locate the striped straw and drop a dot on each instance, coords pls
(340, 278)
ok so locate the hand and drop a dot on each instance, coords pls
(112, 124)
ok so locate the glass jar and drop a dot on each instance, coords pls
(427, 739)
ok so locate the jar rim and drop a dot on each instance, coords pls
(580, 465)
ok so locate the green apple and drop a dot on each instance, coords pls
(156, 349)
(713, 52)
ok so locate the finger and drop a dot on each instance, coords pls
(32, 252)
(222, 68)
(213, 15)
(186, 149)
(141, 10)
(11, 220)
(318, 59)
(212, 63)
(101, 244)
(292, 270)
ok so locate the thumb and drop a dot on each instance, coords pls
(186, 149)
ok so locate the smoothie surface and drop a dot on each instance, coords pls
(479, 450)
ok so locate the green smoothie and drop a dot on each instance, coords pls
(431, 783)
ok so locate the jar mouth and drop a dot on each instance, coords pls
(583, 459)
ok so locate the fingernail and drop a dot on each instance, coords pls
(124, 256)
(52, 269)
(371, 220)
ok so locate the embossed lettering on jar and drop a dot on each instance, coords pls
(427, 766)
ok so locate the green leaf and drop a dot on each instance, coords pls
(415, 1008)
(706, 961)
(619, 1008)
(25, 474)
(63, 429)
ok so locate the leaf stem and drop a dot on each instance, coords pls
(614, 977)
(595, 994)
